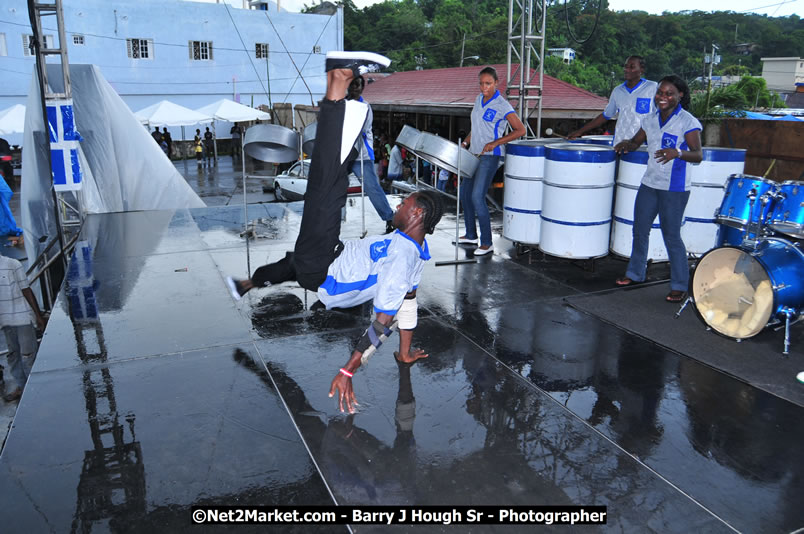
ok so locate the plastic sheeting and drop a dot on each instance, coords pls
(124, 170)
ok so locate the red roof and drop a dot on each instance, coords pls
(458, 87)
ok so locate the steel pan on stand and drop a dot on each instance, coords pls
(272, 143)
(408, 137)
(456, 159)
(445, 154)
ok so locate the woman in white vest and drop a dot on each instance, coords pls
(490, 116)
(674, 139)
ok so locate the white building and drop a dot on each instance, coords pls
(192, 53)
(783, 73)
(567, 55)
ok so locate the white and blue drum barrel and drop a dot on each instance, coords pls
(631, 168)
(788, 211)
(522, 198)
(622, 230)
(577, 200)
(717, 165)
(738, 292)
(700, 228)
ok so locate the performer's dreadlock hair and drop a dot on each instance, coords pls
(433, 207)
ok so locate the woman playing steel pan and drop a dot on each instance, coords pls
(674, 139)
(491, 114)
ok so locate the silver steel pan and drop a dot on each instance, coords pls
(272, 143)
(408, 137)
(444, 154)
(308, 138)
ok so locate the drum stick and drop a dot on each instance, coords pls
(773, 162)
(549, 132)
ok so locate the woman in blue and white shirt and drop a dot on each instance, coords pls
(674, 139)
(490, 116)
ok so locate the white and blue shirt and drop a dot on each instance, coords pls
(675, 174)
(383, 268)
(365, 142)
(489, 120)
(629, 106)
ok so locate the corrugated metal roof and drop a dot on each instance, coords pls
(458, 87)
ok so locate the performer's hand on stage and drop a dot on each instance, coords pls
(410, 357)
(343, 384)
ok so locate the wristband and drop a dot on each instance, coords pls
(346, 373)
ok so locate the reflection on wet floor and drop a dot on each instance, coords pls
(154, 391)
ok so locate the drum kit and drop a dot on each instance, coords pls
(755, 278)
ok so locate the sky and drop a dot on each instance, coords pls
(771, 8)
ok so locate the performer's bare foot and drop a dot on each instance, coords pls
(410, 357)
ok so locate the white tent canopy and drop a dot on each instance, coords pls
(12, 120)
(231, 111)
(166, 113)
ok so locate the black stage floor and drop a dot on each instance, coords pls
(174, 395)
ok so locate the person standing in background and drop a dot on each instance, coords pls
(629, 103)
(363, 166)
(18, 312)
(490, 116)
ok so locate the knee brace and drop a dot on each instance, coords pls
(408, 314)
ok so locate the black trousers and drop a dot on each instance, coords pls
(318, 243)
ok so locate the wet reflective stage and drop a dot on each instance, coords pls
(154, 390)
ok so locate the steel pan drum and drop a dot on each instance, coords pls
(408, 137)
(788, 212)
(272, 143)
(444, 154)
(738, 292)
(308, 138)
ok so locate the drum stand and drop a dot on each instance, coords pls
(456, 261)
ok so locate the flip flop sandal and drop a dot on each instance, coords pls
(624, 282)
(675, 296)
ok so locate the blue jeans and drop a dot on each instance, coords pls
(473, 198)
(371, 185)
(21, 341)
(669, 205)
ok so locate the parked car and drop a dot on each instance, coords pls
(291, 185)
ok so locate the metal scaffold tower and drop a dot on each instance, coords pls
(526, 24)
(67, 199)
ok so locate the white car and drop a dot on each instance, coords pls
(291, 185)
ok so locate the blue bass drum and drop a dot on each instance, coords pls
(738, 292)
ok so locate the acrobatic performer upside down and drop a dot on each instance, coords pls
(386, 269)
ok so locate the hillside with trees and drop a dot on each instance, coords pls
(432, 34)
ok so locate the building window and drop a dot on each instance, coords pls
(140, 48)
(26, 44)
(201, 50)
(316, 50)
(3, 49)
(78, 39)
(262, 51)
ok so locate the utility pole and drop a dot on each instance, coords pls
(712, 60)
(463, 45)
